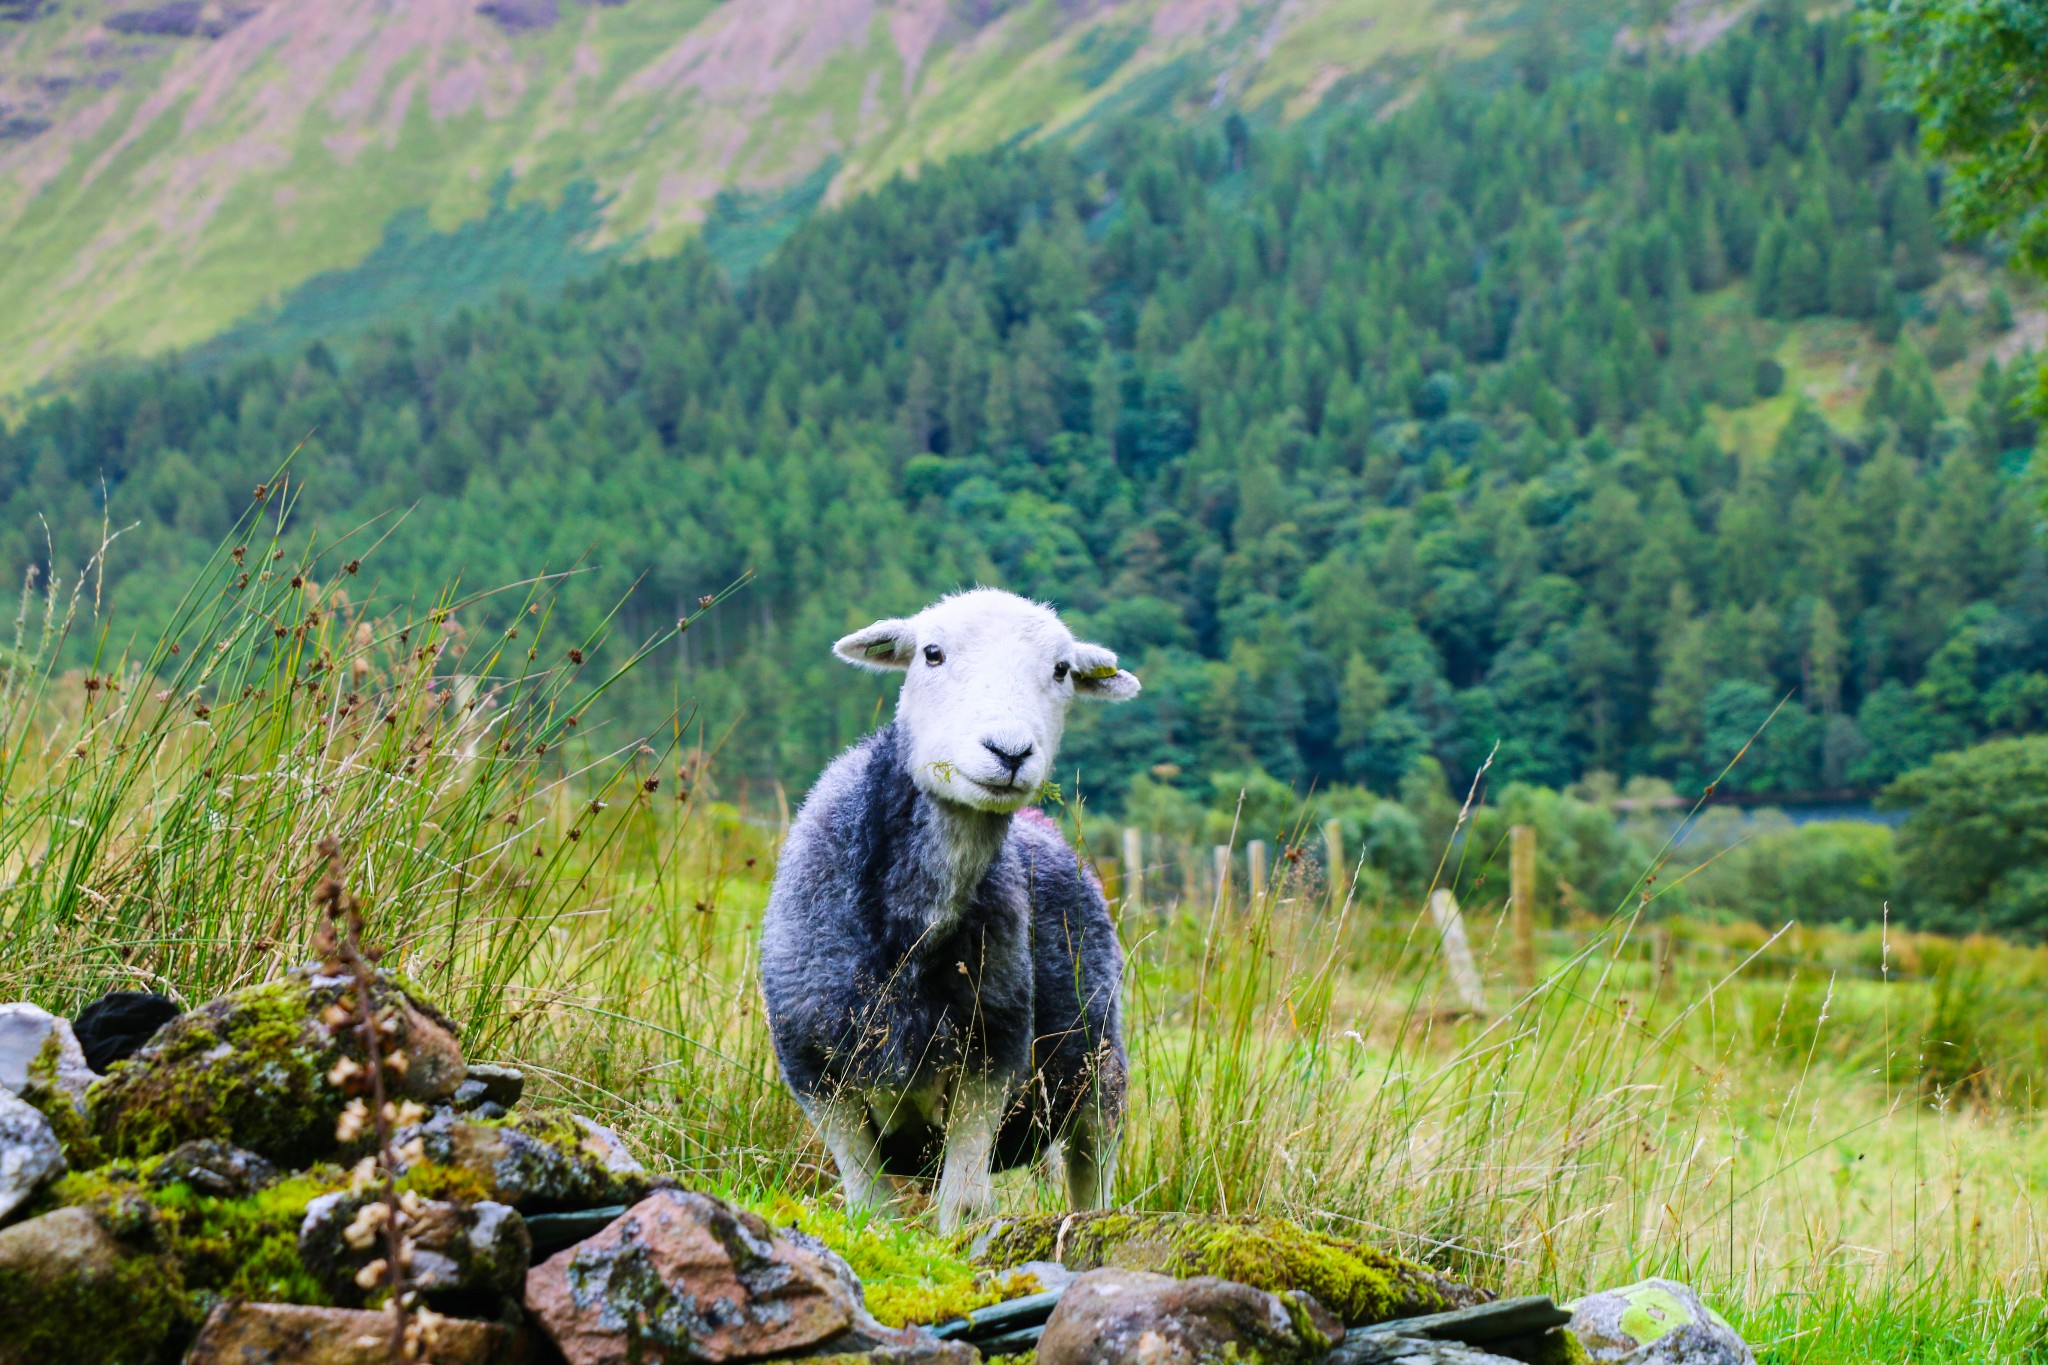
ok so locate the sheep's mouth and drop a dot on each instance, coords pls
(1000, 788)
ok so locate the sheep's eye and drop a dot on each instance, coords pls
(934, 656)
(1059, 671)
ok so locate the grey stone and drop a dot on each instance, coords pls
(489, 1083)
(211, 1167)
(831, 1260)
(1656, 1322)
(468, 1259)
(1481, 1323)
(33, 1039)
(1051, 1275)
(537, 1160)
(30, 1156)
(1133, 1315)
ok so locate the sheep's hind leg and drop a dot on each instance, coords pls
(849, 1134)
(967, 1188)
(1088, 1159)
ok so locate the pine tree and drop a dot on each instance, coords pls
(1772, 248)
(1916, 245)
(1951, 339)
(1852, 277)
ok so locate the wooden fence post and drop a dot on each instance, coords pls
(1255, 862)
(1522, 901)
(1458, 964)
(1222, 863)
(1134, 867)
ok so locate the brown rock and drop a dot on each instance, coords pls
(1110, 1316)
(684, 1277)
(294, 1334)
(434, 1066)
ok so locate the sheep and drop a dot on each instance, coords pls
(940, 971)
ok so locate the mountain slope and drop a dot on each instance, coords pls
(165, 171)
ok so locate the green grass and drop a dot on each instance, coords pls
(1755, 1113)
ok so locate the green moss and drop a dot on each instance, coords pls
(434, 1180)
(249, 1068)
(246, 1248)
(910, 1275)
(1304, 1319)
(74, 1134)
(1360, 1284)
(536, 1161)
(1555, 1347)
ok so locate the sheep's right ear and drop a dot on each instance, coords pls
(883, 646)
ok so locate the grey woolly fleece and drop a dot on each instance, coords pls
(909, 938)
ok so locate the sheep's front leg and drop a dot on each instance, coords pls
(849, 1134)
(967, 1189)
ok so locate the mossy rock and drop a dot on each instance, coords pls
(537, 1161)
(251, 1068)
(1559, 1346)
(219, 1248)
(54, 1088)
(74, 1291)
(467, 1259)
(1359, 1283)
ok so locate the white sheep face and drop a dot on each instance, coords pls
(987, 680)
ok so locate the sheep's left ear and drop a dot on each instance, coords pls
(883, 646)
(1096, 675)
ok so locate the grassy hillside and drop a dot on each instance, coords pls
(165, 174)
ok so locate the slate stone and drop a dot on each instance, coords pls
(1382, 1348)
(490, 1084)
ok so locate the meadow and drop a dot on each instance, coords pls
(1829, 1130)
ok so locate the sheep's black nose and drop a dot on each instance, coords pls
(1013, 759)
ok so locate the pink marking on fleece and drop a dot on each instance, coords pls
(1032, 815)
